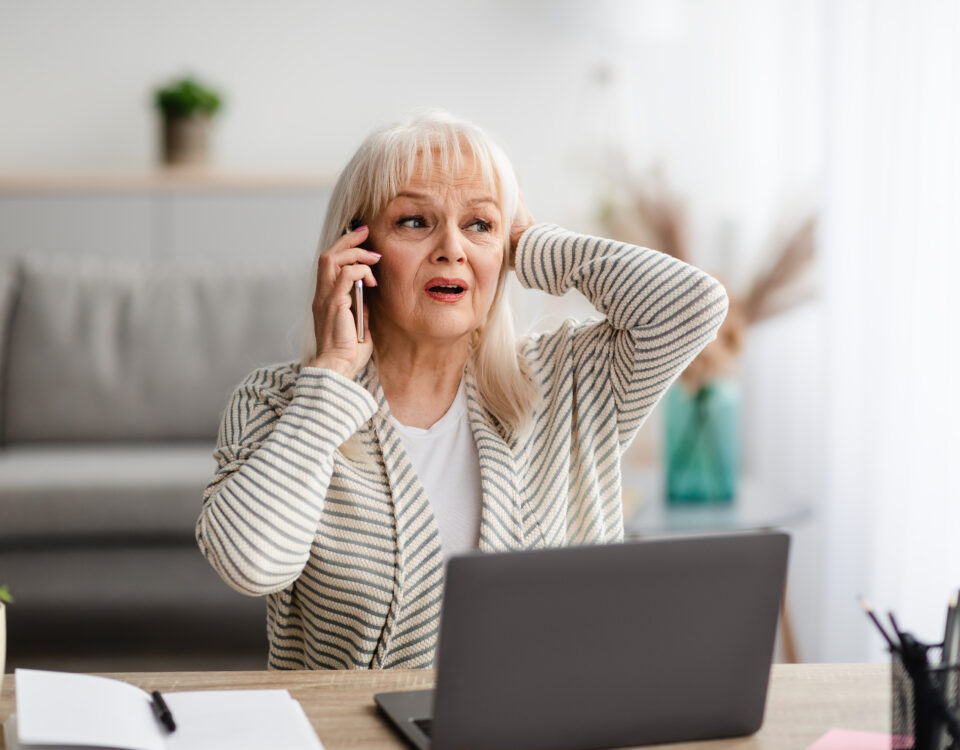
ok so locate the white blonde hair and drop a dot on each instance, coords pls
(386, 162)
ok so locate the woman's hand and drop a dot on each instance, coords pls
(521, 223)
(339, 267)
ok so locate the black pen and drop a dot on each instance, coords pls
(162, 711)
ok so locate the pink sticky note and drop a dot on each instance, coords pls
(846, 739)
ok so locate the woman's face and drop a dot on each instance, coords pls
(442, 245)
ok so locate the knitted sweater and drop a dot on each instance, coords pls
(315, 503)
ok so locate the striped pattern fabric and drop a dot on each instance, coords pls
(316, 505)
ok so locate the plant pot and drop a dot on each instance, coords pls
(702, 443)
(186, 140)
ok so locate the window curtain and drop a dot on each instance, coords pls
(890, 253)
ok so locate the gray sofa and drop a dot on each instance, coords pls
(113, 376)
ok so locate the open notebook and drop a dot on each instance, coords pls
(61, 709)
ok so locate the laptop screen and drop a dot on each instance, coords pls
(651, 641)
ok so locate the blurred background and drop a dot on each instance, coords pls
(804, 151)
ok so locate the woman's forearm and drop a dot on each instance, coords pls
(633, 287)
(659, 312)
(260, 514)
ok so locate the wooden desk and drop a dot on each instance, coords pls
(804, 701)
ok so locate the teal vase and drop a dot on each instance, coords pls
(702, 443)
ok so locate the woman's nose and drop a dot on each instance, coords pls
(449, 247)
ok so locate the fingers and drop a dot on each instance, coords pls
(345, 252)
(347, 248)
(350, 255)
(350, 274)
(339, 267)
(332, 298)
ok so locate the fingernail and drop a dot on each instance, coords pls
(376, 255)
(362, 226)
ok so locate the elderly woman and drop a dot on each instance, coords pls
(347, 478)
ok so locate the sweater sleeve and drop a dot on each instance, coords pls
(260, 513)
(658, 314)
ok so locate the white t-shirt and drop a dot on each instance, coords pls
(445, 458)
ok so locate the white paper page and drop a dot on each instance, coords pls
(310, 738)
(60, 708)
(236, 720)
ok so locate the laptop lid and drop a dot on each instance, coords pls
(651, 641)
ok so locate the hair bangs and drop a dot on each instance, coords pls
(405, 151)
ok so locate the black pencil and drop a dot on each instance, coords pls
(869, 610)
(893, 621)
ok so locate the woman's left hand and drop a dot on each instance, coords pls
(521, 223)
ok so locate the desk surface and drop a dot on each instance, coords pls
(804, 701)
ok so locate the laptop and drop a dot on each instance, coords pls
(652, 641)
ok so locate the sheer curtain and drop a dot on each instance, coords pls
(890, 245)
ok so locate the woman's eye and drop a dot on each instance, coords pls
(481, 226)
(412, 222)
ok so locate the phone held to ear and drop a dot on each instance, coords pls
(358, 307)
(356, 302)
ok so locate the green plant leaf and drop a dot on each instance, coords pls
(5, 595)
(187, 97)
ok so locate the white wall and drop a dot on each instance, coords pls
(725, 97)
(718, 92)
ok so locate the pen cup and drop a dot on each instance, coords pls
(916, 718)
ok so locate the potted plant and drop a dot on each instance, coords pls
(5, 599)
(186, 107)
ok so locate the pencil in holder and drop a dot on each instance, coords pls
(925, 710)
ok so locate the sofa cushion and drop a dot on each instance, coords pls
(129, 492)
(111, 351)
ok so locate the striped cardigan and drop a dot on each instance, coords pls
(316, 505)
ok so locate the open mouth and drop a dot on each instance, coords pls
(445, 289)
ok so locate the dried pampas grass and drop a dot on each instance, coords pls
(649, 216)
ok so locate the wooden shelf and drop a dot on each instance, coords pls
(161, 180)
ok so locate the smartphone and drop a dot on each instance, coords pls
(358, 307)
(356, 302)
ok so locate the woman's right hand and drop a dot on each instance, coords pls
(340, 265)
(522, 221)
